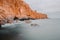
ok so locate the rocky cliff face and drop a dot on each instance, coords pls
(11, 8)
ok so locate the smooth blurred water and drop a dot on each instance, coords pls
(46, 29)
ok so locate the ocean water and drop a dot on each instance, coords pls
(45, 29)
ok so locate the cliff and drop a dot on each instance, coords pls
(11, 8)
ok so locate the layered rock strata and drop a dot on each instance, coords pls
(18, 8)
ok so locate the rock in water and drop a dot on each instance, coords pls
(28, 21)
(11, 8)
(34, 25)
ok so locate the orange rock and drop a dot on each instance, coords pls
(18, 8)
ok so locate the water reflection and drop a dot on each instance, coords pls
(7, 33)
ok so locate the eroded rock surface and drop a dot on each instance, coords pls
(18, 8)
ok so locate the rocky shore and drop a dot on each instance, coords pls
(18, 8)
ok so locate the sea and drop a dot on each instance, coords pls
(40, 29)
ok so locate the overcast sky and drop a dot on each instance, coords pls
(50, 7)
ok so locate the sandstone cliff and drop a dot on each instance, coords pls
(11, 8)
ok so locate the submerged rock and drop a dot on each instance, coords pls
(28, 21)
(34, 25)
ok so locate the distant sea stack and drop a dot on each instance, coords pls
(18, 8)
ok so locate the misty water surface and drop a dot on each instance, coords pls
(46, 29)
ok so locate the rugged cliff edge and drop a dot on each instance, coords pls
(18, 8)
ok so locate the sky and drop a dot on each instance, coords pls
(49, 7)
